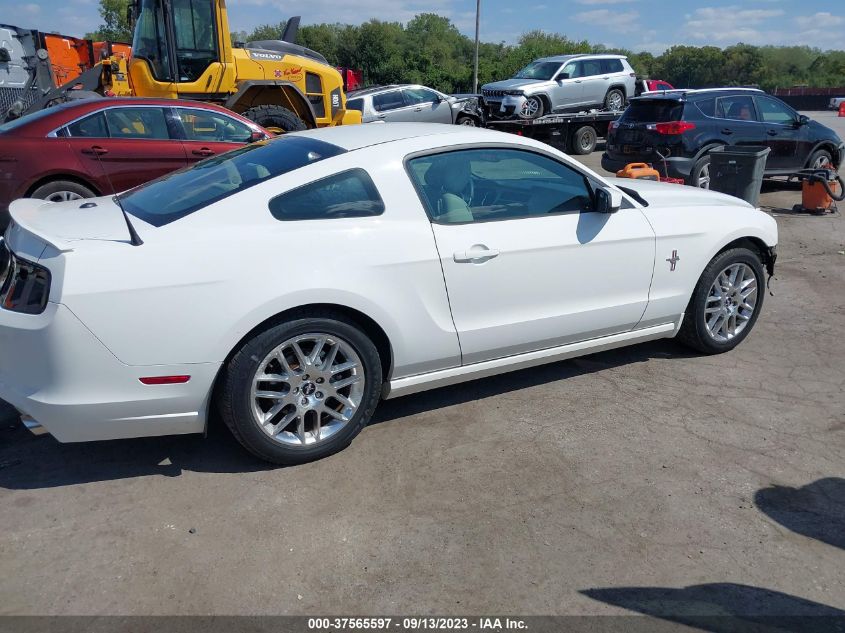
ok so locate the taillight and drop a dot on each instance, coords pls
(673, 127)
(612, 125)
(24, 286)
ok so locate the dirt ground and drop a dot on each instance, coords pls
(645, 480)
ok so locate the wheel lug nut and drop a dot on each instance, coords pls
(319, 381)
(319, 394)
(304, 401)
(305, 377)
(296, 389)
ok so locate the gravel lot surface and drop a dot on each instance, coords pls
(643, 480)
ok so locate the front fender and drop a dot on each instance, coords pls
(695, 235)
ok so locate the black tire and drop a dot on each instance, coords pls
(466, 120)
(540, 108)
(614, 94)
(819, 156)
(583, 141)
(694, 332)
(56, 187)
(274, 117)
(700, 170)
(233, 396)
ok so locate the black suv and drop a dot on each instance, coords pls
(685, 125)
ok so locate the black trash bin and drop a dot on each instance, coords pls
(738, 171)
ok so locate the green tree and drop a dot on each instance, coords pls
(115, 26)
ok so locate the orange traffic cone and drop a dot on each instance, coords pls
(842, 109)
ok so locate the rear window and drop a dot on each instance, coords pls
(183, 192)
(653, 111)
(14, 124)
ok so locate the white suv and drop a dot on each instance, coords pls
(562, 83)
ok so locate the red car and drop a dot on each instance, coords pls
(82, 149)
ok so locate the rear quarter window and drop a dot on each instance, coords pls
(355, 104)
(611, 65)
(349, 194)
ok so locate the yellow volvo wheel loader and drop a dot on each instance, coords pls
(182, 49)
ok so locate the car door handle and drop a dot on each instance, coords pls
(772, 132)
(727, 131)
(577, 81)
(203, 151)
(381, 116)
(95, 150)
(417, 109)
(476, 254)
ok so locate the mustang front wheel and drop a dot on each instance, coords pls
(301, 390)
(726, 302)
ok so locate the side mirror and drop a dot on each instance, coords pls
(608, 200)
(803, 119)
(562, 76)
(257, 136)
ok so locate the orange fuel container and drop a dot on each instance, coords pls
(641, 171)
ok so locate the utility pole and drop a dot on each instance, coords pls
(475, 71)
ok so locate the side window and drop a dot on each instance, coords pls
(93, 126)
(388, 101)
(415, 96)
(774, 111)
(707, 107)
(196, 41)
(483, 185)
(572, 69)
(355, 104)
(143, 123)
(737, 108)
(349, 194)
(592, 67)
(611, 65)
(212, 127)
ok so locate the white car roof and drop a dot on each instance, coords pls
(352, 137)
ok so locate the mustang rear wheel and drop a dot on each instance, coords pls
(726, 302)
(301, 390)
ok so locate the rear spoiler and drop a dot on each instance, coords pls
(25, 217)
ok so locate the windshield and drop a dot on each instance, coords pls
(183, 192)
(538, 70)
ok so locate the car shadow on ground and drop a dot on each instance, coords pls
(816, 510)
(725, 608)
(28, 462)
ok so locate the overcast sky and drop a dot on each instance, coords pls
(650, 25)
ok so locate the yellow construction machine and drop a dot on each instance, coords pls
(182, 49)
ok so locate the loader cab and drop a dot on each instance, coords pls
(180, 48)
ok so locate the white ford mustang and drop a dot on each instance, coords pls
(293, 283)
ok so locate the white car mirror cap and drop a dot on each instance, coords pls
(608, 200)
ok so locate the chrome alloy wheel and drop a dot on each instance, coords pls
(531, 107)
(731, 302)
(820, 162)
(307, 389)
(615, 101)
(63, 196)
(704, 177)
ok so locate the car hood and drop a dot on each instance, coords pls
(511, 84)
(664, 194)
(63, 224)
